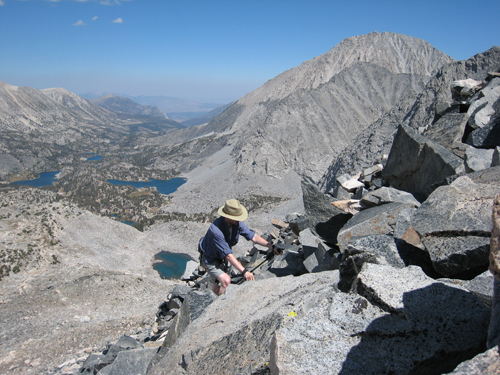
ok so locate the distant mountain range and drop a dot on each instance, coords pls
(175, 108)
(121, 104)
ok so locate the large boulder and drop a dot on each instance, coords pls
(489, 135)
(481, 108)
(400, 322)
(454, 224)
(325, 220)
(416, 164)
(375, 248)
(376, 220)
(233, 334)
(387, 195)
(448, 130)
(193, 306)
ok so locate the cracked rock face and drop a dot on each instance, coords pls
(454, 224)
(400, 321)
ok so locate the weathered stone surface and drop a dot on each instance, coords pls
(377, 220)
(481, 109)
(130, 362)
(454, 224)
(375, 248)
(487, 363)
(487, 176)
(489, 135)
(416, 163)
(482, 286)
(404, 322)
(288, 263)
(478, 159)
(309, 242)
(299, 224)
(448, 129)
(496, 157)
(465, 87)
(321, 260)
(234, 332)
(325, 219)
(387, 195)
(193, 306)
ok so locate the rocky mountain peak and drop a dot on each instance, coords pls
(396, 52)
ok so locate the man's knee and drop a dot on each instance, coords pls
(224, 280)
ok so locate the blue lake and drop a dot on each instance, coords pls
(171, 265)
(97, 157)
(163, 186)
(45, 179)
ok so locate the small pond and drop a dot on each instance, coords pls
(170, 265)
(45, 179)
(163, 186)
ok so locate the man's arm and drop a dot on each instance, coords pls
(236, 264)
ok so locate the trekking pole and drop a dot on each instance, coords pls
(239, 280)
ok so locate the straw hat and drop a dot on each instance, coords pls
(233, 210)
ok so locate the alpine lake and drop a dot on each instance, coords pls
(168, 265)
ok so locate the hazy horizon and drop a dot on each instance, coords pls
(210, 51)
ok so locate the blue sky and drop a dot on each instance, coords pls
(211, 50)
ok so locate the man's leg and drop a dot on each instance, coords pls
(494, 329)
(224, 281)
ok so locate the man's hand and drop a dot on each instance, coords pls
(277, 250)
(249, 276)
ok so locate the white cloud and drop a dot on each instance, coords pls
(94, 18)
(1, 3)
(79, 23)
(118, 20)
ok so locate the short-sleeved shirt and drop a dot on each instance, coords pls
(219, 240)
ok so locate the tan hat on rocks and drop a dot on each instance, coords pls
(233, 210)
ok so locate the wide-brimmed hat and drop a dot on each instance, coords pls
(233, 210)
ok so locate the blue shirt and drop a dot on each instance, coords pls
(218, 241)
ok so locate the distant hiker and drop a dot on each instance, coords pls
(222, 235)
(494, 329)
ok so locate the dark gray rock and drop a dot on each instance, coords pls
(416, 163)
(321, 260)
(309, 242)
(482, 286)
(290, 262)
(387, 195)
(375, 248)
(489, 135)
(448, 129)
(482, 105)
(376, 220)
(496, 157)
(130, 362)
(325, 219)
(299, 224)
(478, 159)
(454, 224)
(193, 306)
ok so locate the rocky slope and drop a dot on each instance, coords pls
(382, 291)
(296, 123)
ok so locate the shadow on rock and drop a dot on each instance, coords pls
(438, 328)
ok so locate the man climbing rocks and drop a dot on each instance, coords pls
(222, 235)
